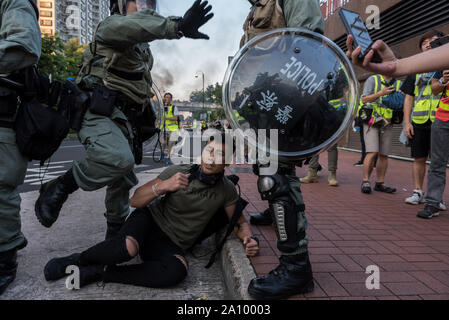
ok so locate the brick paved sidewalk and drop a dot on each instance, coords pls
(349, 231)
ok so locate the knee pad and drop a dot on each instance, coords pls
(273, 187)
(285, 216)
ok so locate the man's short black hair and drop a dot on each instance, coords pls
(168, 93)
(225, 137)
(430, 34)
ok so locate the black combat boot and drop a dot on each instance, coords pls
(91, 274)
(262, 218)
(292, 276)
(55, 269)
(52, 196)
(8, 268)
(113, 230)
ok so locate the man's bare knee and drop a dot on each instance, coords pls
(132, 246)
(183, 260)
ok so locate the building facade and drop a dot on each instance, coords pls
(72, 18)
(402, 23)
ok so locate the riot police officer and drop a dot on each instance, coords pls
(20, 47)
(116, 72)
(282, 190)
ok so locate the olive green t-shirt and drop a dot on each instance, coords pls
(184, 214)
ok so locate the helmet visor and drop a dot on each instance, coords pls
(146, 4)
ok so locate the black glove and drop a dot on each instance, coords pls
(194, 18)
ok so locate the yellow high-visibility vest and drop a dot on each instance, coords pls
(387, 113)
(171, 125)
(426, 104)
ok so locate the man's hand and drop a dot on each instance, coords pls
(195, 18)
(177, 182)
(445, 76)
(408, 130)
(387, 91)
(251, 246)
(389, 60)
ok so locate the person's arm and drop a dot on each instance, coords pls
(408, 105)
(304, 14)
(158, 187)
(429, 61)
(119, 31)
(175, 113)
(243, 232)
(373, 97)
(20, 44)
(437, 87)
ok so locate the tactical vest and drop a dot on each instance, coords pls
(170, 124)
(265, 15)
(126, 71)
(425, 104)
(387, 113)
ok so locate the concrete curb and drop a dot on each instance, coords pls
(237, 269)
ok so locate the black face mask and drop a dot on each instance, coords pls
(209, 179)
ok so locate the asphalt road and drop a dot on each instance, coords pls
(71, 150)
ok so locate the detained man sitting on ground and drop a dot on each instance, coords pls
(173, 211)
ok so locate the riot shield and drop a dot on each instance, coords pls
(296, 82)
(158, 107)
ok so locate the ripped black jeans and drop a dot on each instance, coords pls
(160, 268)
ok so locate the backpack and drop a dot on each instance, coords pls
(39, 129)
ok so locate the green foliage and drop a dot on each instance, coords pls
(60, 59)
(212, 94)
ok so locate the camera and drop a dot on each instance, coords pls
(439, 42)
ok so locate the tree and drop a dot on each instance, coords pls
(52, 61)
(212, 94)
(60, 59)
(196, 96)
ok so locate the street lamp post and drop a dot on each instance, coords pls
(204, 95)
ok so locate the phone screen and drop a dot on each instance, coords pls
(358, 29)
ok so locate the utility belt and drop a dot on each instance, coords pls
(290, 170)
(141, 117)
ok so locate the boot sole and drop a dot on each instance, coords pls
(258, 295)
(37, 209)
(309, 182)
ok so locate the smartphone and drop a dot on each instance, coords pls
(355, 26)
(439, 42)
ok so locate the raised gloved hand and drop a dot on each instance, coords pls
(194, 18)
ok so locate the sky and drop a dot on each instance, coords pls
(176, 62)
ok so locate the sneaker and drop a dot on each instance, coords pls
(429, 212)
(358, 164)
(366, 187)
(442, 206)
(380, 187)
(416, 198)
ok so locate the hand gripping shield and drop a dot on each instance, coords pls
(294, 81)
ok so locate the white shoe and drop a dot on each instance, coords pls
(442, 206)
(416, 198)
